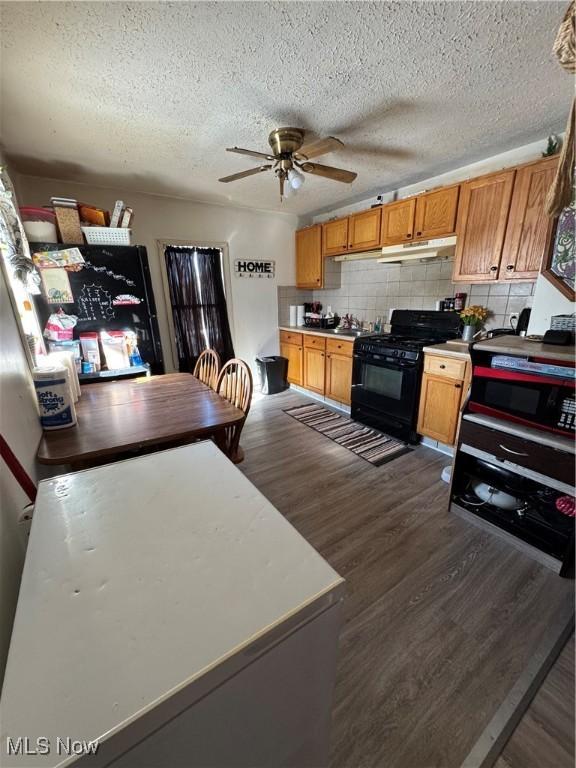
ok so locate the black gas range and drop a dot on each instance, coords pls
(387, 369)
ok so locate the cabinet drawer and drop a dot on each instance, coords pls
(318, 342)
(548, 461)
(444, 366)
(288, 337)
(339, 347)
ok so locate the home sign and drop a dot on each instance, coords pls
(254, 268)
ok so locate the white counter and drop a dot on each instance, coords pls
(141, 578)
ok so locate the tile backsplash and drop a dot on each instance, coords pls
(367, 290)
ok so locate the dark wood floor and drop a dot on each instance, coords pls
(441, 618)
(544, 738)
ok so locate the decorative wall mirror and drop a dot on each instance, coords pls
(560, 266)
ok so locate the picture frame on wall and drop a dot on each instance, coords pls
(559, 268)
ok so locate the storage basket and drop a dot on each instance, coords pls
(107, 235)
(563, 323)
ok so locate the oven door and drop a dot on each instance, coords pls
(386, 385)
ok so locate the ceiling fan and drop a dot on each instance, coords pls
(290, 155)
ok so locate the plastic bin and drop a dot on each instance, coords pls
(272, 371)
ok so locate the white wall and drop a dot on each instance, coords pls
(20, 427)
(249, 233)
(548, 301)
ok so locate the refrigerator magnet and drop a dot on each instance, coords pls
(56, 285)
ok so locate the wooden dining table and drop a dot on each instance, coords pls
(116, 418)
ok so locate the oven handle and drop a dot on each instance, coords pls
(509, 450)
(385, 363)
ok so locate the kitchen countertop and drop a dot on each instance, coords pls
(517, 345)
(459, 349)
(316, 332)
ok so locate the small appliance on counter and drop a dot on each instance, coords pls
(313, 317)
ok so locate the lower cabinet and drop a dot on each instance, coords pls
(444, 384)
(314, 361)
(320, 364)
(291, 349)
(338, 370)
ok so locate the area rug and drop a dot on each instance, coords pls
(369, 444)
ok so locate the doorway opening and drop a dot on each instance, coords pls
(196, 283)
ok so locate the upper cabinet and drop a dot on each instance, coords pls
(398, 221)
(529, 228)
(335, 237)
(364, 230)
(436, 213)
(309, 260)
(481, 226)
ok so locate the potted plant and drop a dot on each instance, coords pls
(472, 317)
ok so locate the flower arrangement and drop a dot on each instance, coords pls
(474, 315)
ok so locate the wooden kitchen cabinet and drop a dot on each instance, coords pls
(314, 363)
(364, 230)
(339, 370)
(335, 237)
(530, 229)
(309, 260)
(444, 384)
(436, 213)
(291, 349)
(398, 222)
(481, 226)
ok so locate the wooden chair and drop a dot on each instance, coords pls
(207, 367)
(235, 385)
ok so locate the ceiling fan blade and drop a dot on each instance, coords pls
(243, 174)
(319, 147)
(336, 174)
(250, 153)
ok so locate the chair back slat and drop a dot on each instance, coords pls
(207, 367)
(235, 384)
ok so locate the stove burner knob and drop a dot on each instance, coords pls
(395, 352)
(403, 353)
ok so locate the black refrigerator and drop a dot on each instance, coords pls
(111, 292)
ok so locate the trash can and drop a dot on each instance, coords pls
(272, 371)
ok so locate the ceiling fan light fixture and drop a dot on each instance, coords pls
(296, 178)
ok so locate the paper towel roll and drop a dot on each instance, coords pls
(54, 397)
(67, 359)
(300, 315)
(294, 315)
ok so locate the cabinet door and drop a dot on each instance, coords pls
(364, 230)
(293, 353)
(309, 262)
(481, 226)
(398, 221)
(440, 399)
(335, 237)
(529, 228)
(436, 213)
(314, 369)
(339, 377)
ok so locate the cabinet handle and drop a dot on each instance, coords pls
(408, 235)
(322, 354)
(442, 366)
(328, 355)
(344, 246)
(418, 233)
(510, 267)
(509, 450)
(299, 349)
(493, 269)
(458, 386)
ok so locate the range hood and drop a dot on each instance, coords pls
(441, 247)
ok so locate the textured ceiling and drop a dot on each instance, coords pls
(148, 95)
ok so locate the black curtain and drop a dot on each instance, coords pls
(196, 281)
